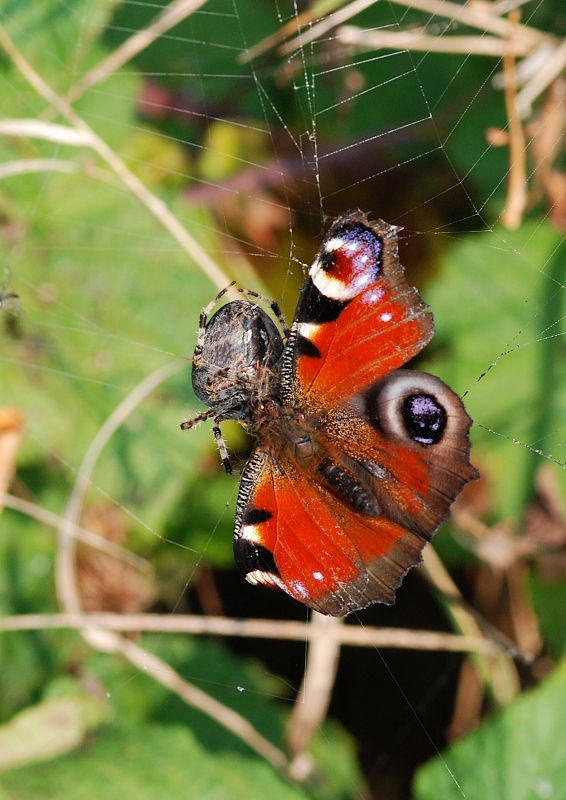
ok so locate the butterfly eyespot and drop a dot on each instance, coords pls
(424, 417)
(412, 406)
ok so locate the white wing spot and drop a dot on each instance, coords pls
(386, 317)
(334, 244)
(257, 576)
(308, 330)
(251, 534)
(299, 588)
(318, 576)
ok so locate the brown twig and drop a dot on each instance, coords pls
(476, 16)
(82, 534)
(346, 635)
(163, 673)
(65, 577)
(314, 695)
(352, 36)
(516, 200)
(153, 203)
(496, 671)
(170, 16)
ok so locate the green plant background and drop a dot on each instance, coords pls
(105, 297)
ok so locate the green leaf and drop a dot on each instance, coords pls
(518, 755)
(52, 727)
(490, 347)
(164, 762)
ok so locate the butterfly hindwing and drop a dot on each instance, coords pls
(297, 536)
(338, 528)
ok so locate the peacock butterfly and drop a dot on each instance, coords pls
(357, 461)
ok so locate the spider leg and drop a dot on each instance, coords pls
(273, 306)
(192, 423)
(202, 319)
(221, 444)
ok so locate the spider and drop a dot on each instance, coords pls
(236, 364)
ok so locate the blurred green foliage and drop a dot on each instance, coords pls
(518, 755)
(106, 297)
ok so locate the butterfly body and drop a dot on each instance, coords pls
(357, 461)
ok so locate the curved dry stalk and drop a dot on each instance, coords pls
(478, 15)
(311, 705)
(352, 36)
(161, 671)
(65, 577)
(497, 670)
(49, 131)
(170, 16)
(24, 166)
(345, 635)
(474, 15)
(326, 24)
(27, 165)
(153, 203)
(516, 195)
(82, 534)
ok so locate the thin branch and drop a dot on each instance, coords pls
(153, 203)
(23, 166)
(541, 80)
(516, 199)
(65, 572)
(311, 704)
(346, 635)
(476, 16)
(49, 131)
(352, 36)
(170, 16)
(497, 670)
(84, 535)
(326, 24)
(162, 672)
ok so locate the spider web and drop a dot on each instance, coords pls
(254, 126)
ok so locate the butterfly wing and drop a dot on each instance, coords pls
(297, 537)
(357, 318)
(358, 468)
(338, 530)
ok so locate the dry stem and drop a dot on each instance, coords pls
(84, 535)
(496, 671)
(516, 200)
(314, 696)
(346, 635)
(170, 16)
(153, 203)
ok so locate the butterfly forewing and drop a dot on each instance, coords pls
(357, 318)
